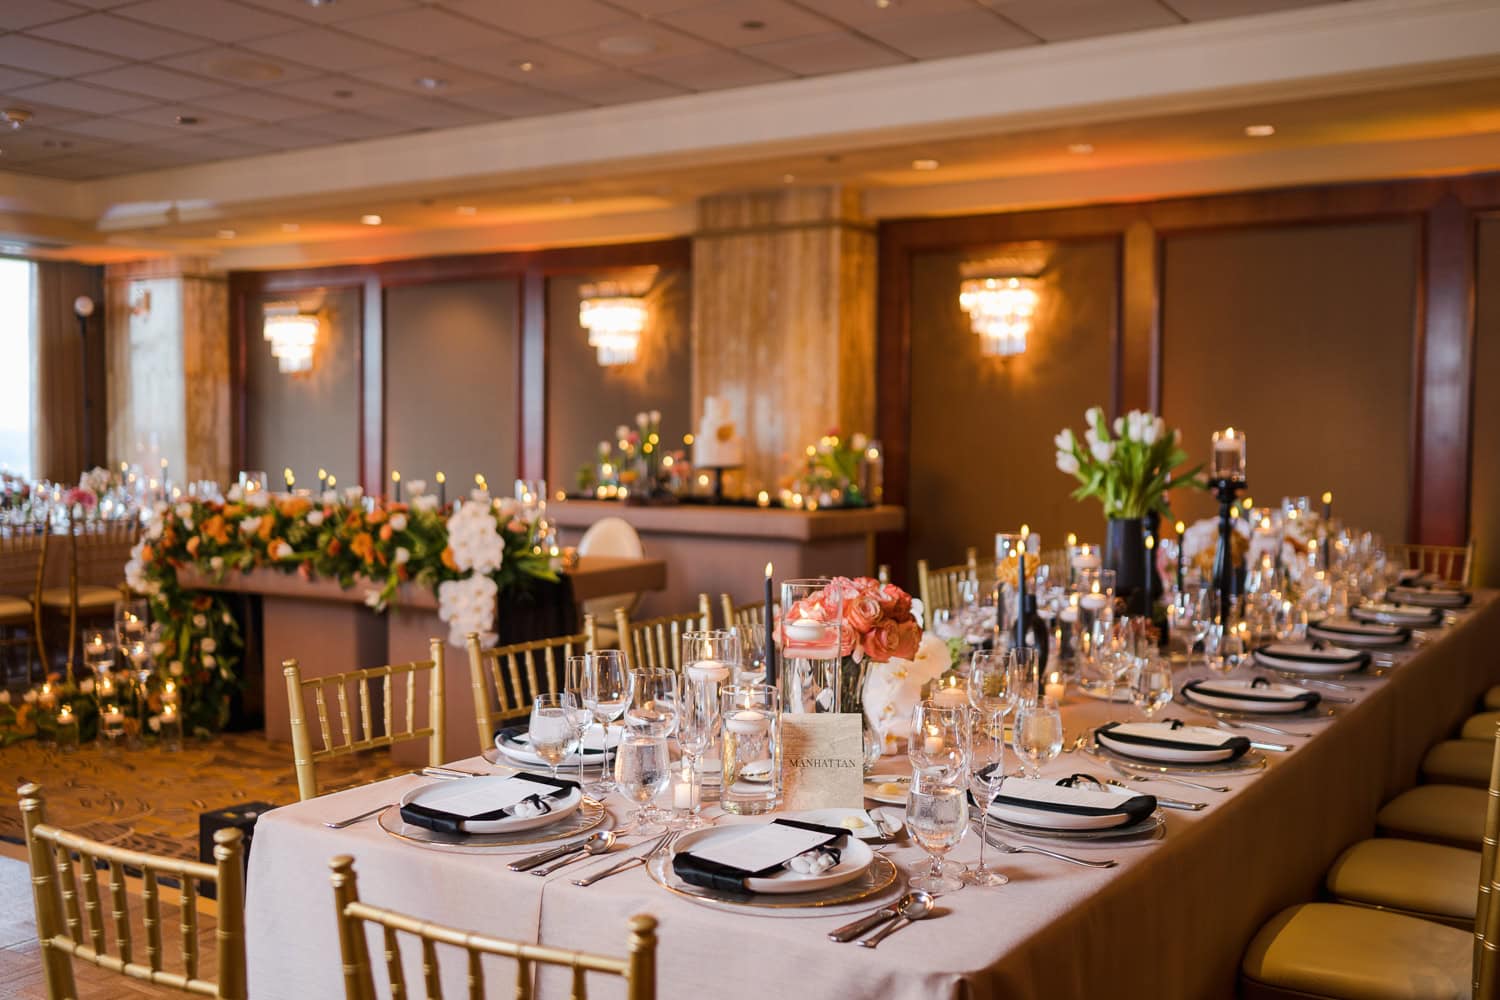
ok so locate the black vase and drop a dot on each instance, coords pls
(1125, 553)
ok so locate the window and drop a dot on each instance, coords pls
(16, 404)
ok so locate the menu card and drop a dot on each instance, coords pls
(822, 761)
(467, 799)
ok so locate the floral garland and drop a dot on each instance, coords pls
(469, 558)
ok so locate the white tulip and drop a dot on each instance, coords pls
(1103, 451)
(249, 525)
(1067, 462)
(315, 518)
(1065, 440)
(1093, 416)
(403, 555)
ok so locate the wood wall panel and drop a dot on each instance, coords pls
(1486, 441)
(206, 374)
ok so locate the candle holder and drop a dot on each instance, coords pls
(1226, 577)
(112, 730)
(810, 662)
(750, 750)
(169, 728)
(67, 730)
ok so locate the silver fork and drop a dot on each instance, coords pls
(1126, 773)
(662, 843)
(1005, 848)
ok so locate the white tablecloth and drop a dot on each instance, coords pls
(1170, 921)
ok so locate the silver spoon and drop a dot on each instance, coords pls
(869, 921)
(913, 907)
(598, 843)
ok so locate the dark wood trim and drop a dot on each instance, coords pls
(532, 398)
(1443, 404)
(1138, 381)
(240, 299)
(372, 387)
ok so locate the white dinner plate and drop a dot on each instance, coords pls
(1337, 661)
(889, 797)
(1396, 614)
(855, 857)
(1048, 819)
(560, 807)
(1346, 632)
(1263, 706)
(1182, 754)
(517, 751)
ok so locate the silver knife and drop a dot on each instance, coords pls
(1162, 800)
(528, 863)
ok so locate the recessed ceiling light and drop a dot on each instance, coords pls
(626, 45)
(1260, 131)
(187, 119)
(752, 25)
(290, 227)
(788, 178)
(468, 210)
(227, 234)
(371, 220)
(430, 82)
(1080, 148)
(15, 117)
(526, 65)
(924, 164)
(320, 3)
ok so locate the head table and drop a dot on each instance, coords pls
(1170, 921)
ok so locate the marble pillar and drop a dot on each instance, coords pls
(784, 320)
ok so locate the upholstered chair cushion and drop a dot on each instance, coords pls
(1459, 762)
(1410, 875)
(1447, 814)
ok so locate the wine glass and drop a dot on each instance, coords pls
(575, 680)
(642, 769)
(1224, 648)
(1151, 685)
(605, 691)
(1038, 734)
(994, 682)
(697, 725)
(554, 728)
(987, 767)
(937, 737)
(651, 704)
(937, 816)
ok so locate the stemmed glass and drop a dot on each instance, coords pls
(1038, 734)
(575, 680)
(643, 766)
(937, 815)
(937, 737)
(651, 704)
(994, 685)
(1151, 686)
(697, 725)
(606, 688)
(554, 728)
(987, 767)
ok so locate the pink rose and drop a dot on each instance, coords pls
(895, 602)
(909, 638)
(862, 613)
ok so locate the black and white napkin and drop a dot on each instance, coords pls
(1311, 658)
(1172, 740)
(725, 863)
(1348, 632)
(1397, 614)
(516, 741)
(522, 795)
(1429, 597)
(1069, 803)
(1258, 695)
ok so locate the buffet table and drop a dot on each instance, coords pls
(328, 629)
(1171, 921)
(724, 549)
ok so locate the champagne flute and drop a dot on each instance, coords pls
(987, 766)
(697, 725)
(1038, 734)
(575, 680)
(643, 767)
(606, 688)
(937, 816)
(554, 729)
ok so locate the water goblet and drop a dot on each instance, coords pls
(937, 816)
(987, 770)
(651, 706)
(554, 728)
(1038, 734)
(575, 681)
(1151, 685)
(643, 766)
(937, 736)
(606, 689)
(697, 726)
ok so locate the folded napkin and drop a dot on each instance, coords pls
(453, 818)
(808, 848)
(1396, 614)
(1417, 578)
(1069, 796)
(1429, 598)
(1308, 652)
(1350, 632)
(1255, 695)
(1174, 736)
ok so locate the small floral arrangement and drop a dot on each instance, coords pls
(1200, 544)
(834, 470)
(1131, 471)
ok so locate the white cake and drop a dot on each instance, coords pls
(717, 443)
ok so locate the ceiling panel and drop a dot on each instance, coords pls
(505, 100)
(862, 12)
(415, 76)
(261, 105)
(629, 44)
(510, 60)
(32, 143)
(167, 115)
(740, 23)
(13, 79)
(950, 33)
(80, 97)
(335, 91)
(239, 67)
(1204, 10)
(350, 125)
(282, 136)
(429, 113)
(77, 168)
(153, 81)
(210, 147)
(327, 49)
(121, 130)
(712, 71)
(220, 20)
(1060, 20)
(542, 20)
(613, 87)
(426, 30)
(16, 14)
(118, 37)
(831, 53)
(332, 13)
(42, 56)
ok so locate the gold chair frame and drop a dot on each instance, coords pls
(61, 919)
(305, 758)
(938, 588)
(17, 549)
(517, 665)
(638, 969)
(104, 553)
(656, 643)
(1454, 563)
(745, 617)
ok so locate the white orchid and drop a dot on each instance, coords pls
(475, 539)
(135, 569)
(398, 521)
(184, 510)
(236, 493)
(259, 500)
(416, 488)
(403, 555)
(208, 645)
(468, 605)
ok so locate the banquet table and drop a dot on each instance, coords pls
(1172, 920)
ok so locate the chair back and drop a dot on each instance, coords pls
(70, 917)
(656, 643)
(23, 562)
(1452, 563)
(638, 969)
(101, 550)
(611, 536)
(354, 735)
(745, 617)
(1487, 908)
(518, 673)
(940, 588)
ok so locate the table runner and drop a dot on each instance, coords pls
(1171, 921)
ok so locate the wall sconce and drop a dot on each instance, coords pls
(614, 314)
(1000, 308)
(292, 334)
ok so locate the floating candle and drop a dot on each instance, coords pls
(708, 670)
(748, 722)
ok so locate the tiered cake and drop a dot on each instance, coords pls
(717, 445)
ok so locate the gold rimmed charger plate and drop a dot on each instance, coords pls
(1252, 761)
(586, 817)
(1148, 829)
(874, 880)
(1318, 712)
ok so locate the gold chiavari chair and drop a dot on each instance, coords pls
(1331, 951)
(97, 554)
(517, 677)
(343, 740)
(1448, 562)
(23, 565)
(638, 969)
(70, 916)
(656, 643)
(939, 588)
(747, 618)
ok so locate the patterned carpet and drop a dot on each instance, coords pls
(150, 800)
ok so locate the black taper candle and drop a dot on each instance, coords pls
(1021, 595)
(770, 629)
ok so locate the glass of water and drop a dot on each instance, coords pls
(606, 689)
(643, 766)
(937, 815)
(1037, 734)
(651, 706)
(554, 728)
(1151, 685)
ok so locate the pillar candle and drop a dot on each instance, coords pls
(395, 486)
(1181, 538)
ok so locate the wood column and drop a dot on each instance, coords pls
(784, 320)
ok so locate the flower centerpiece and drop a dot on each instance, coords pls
(887, 659)
(835, 473)
(1129, 472)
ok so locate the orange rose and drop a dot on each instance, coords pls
(267, 525)
(192, 545)
(215, 528)
(363, 546)
(294, 506)
(147, 554)
(376, 516)
(386, 532)
(335, 547)
(448, 559)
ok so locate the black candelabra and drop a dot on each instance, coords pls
(1226, 579)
